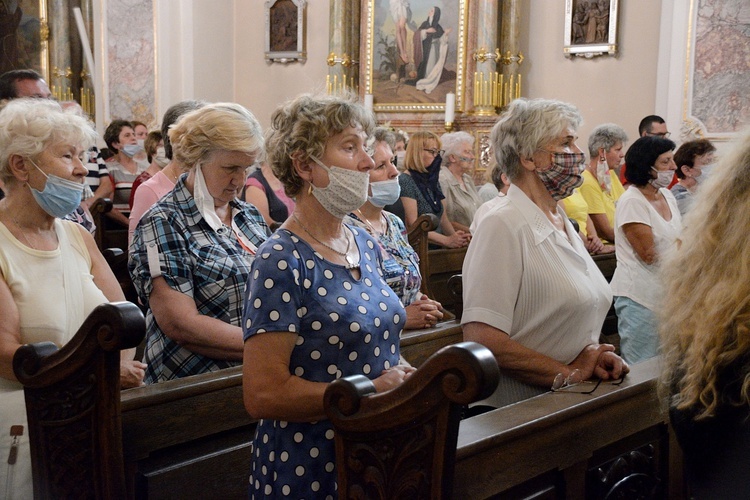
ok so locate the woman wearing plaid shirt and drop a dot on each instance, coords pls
(191, 253)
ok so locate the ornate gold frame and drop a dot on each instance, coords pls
(368, 70)
(589, 50)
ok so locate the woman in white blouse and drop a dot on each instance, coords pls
(647, 224)
(541, 311)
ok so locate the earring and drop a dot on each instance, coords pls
(601, 158)
(309, 189)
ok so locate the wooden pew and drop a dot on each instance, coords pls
(418, 345)
(436, 265)
(402, 443)
(73, 405)
(614, 443)
(109, 234)
(186, 438)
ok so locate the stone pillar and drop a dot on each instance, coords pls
(485, 75)
(510, 47)
(343, 56)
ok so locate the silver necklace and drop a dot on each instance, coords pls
(349, 259)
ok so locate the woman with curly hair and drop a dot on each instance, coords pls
(705, 331)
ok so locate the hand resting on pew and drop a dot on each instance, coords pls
(423, 313)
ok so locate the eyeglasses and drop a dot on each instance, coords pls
(665, 135)
(435, 152)
(574, 380)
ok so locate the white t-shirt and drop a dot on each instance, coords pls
(634, 278)
(527, 279)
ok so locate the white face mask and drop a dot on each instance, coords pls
(385, 192)
(161, 157)
(705, 172)
(400, 156)
(664, 177)
(346, 190)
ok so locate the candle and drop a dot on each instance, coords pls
(368, 102)
(450, 107)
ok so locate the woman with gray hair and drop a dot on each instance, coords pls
(191, 252)
(52, 275)
(601, 187)
(541, 312)
(461, 197)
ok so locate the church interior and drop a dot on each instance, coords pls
(616, 62)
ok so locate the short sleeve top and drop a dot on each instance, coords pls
(409, 189)
(345, 326)
(400, 261)
(173, 241)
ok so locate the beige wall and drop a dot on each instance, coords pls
(260, 86)
(618, 89)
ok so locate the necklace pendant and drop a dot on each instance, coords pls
(350, 262)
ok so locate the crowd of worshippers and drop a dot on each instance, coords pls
(286, 251)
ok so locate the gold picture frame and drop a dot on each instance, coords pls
(392, 70)
(590, 28)
(285, 31)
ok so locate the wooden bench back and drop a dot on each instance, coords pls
(402, 443)
(73, 405)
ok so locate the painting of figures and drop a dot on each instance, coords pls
(416, 51)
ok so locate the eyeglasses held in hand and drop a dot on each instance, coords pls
(574, 383)
(435, 152)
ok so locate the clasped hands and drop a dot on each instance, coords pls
(600, 360)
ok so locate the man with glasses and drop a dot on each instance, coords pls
(655, 126)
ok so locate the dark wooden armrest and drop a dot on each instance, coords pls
(402, 443)
(73, 405)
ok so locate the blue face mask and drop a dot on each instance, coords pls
(60, 196)
(385, 193)
(131, 150)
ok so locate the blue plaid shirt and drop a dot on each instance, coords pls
(197, 261)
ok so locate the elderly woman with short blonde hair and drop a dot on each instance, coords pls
(191, 252)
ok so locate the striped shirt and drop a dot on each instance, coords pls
(123, 182)
(193, 259)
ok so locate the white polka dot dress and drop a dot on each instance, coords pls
(345, 327)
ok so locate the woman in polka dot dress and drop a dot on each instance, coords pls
(317, 307)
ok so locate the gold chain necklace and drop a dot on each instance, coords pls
(349, 259)
(23, 233)
(373, 231)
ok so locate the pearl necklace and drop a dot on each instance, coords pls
(351, 264)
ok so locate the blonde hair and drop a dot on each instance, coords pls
(417, 142)
(222, 126)
(304, 125)
(28, 126)
(705, 318)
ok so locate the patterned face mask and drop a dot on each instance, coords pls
(563, 175)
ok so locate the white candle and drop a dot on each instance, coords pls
(450, 107)
(368, 102)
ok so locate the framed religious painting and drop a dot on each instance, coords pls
(415, 53)
(285, 31)
(25, 33)
(590, 28)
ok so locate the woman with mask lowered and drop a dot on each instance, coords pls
(601, 187)
(51, 273)
(400, 261)
(191, 252)
(420, 189)
(647, 224)
(317, 308)
(542, 311)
